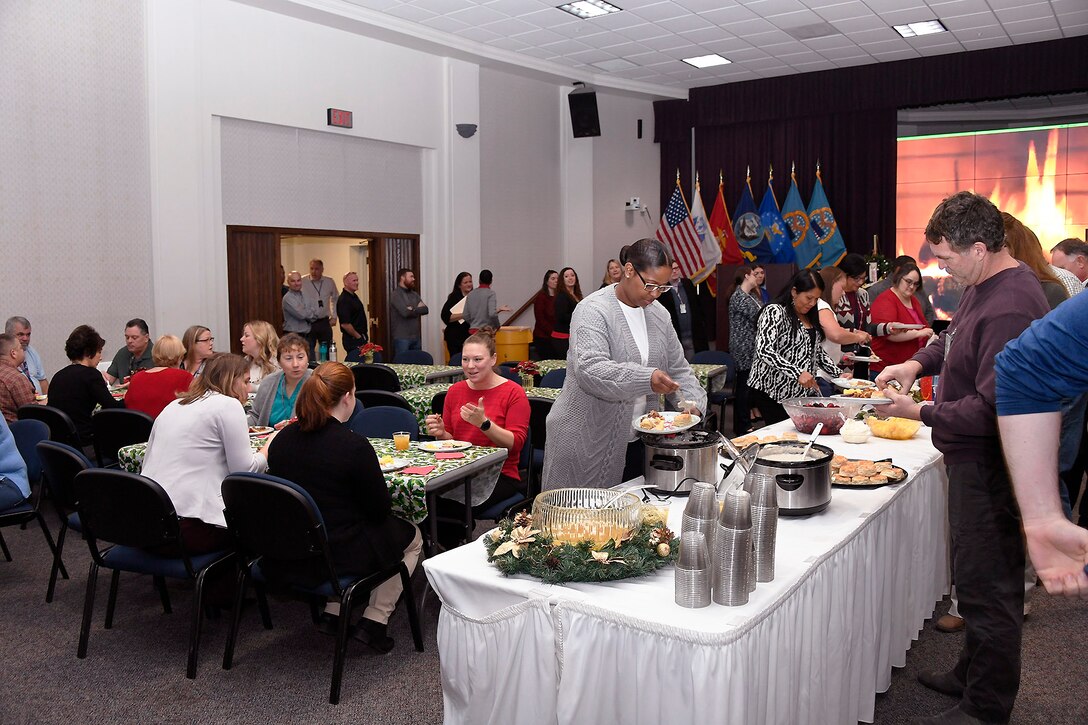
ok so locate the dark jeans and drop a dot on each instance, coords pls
(10, 495)
(772, 410)
(742, 405)
(988, 568)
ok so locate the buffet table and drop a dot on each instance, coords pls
(853, 586)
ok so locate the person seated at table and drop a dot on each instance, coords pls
(788, 348)
(196, 441)
(154, 389)
(259, 341)
(136, 355)
(340, 471)
(895, 307)
(199, 346)
(486, 409)
(274, 404)
(14, 484)
(78, 388)
(835, 335)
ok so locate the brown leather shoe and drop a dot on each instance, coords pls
(942, 682)
(950, 623)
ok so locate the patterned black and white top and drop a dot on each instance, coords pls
(743, 313)
(782, 354)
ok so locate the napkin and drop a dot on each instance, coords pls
(450, 454)
(418, 470)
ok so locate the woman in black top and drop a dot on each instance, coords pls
(78, 388)
(567, 297)
(456, 332)
(341, 472)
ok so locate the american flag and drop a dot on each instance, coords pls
(678, 232)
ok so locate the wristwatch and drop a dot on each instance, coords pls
(486, 425)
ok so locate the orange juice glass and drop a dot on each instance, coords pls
(400, 440)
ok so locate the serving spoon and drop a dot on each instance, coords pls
(815, 432)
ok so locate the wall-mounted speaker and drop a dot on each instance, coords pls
(584, 120)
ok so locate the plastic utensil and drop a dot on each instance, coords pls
(815, 432)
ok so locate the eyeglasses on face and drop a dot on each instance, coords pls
(909, 282)
(206, 339)
(654, 289)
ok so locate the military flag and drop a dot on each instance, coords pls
(775, 230)
(805, 244)
(678, 233)
(832, 248)
(748, 228)
(722, 227)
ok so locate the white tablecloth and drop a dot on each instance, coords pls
(853, 586)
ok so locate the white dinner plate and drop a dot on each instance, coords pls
(260, 430)
(670, 427)
(444, 446)
(909, 326)
(846, 383)
(869, 401)
(396, 465)
(871, 358)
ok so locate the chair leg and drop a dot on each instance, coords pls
(4, 547)
(344, 628)
(409, 598)
(45, 531)
(196, 622)
(316, 607)
(88, 608)
(262, 606)
(164, 595)
(58, 564)
(235, 618)
(111, 603)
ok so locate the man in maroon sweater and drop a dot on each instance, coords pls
(1001, 299)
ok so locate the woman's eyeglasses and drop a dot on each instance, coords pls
(654, 289)
(207, 339)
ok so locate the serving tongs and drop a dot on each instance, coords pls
(745, 459)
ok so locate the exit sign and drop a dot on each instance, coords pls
(338, 117)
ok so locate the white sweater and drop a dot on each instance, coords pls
(192, 449)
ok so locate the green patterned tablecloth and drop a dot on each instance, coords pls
(711, 377)
(415, 376)
(420, 400)
(543, 393)
(409, 492)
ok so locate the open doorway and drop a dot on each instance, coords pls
(255, 254)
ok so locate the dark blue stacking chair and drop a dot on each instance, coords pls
(273, 517)
(383, 421)
(376, 377)
(115, 428)
(509, 373)
(27, 435)
(61, 464)
(554, 378)
(374, 398)
(414, 357)
(123, 516)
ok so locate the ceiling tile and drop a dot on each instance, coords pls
(624, 48)
(766, 8)
(706, 35)
(589, 56)
(726, 16)
(839, 53)
(844, 11)
(894, 55)
(813, 66)
(660, 11)
(1036, 37)
(855, 25)
(439, 7)
(1003, 4)
(702, 6)
(567, 47)
(984, 43)
(686, 23)
(832, 41)
(874, 36)
(507, 43)
(886, 6)
(975, 20)
(1027, 12)
(742, 28)
(886, 46)
(615, 21)
(991, 31)
(771, 37)
(510, 27)
(1031, 26)
(539, 37)
(907, 15)
(642, 32)
(958, 7)
(666, 42)
(1073, 18)
(480, 35)
(446, 24)
(410, 12)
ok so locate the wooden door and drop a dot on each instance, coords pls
(253, 281)
(387, 256)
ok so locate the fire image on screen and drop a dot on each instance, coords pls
(1039, 175)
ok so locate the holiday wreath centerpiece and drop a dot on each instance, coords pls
(583, 535)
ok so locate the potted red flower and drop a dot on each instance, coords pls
(368, 350)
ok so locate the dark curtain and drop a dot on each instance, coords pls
(846, 119)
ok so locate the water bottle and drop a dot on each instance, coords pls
(332, 351)
(323, 352)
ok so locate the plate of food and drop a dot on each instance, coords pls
(859, 473)
(444, 446)
(871, 396)
(846, 383)
(669, 421)
(863, 358)
(390, 464)
(908, 326)
(259, 430)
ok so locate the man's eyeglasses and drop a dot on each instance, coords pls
(654, 289)
(207, 339)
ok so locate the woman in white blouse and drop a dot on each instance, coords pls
(197, 440)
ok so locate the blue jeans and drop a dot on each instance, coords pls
(10, 495)
(1071, 432)
(401, 345)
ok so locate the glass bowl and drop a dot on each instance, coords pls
(807, 412)
(574, 515)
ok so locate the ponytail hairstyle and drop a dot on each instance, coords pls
(646, 254)
(742, 271)
(221, 372)
(830, 275)
(484, 336)
(319, 395)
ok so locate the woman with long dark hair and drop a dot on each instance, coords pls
(744, 308)
(567, 297)
(456, 331)
(340, 471)
(788, 348)
(544, 311)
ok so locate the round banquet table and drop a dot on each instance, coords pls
(853, 586)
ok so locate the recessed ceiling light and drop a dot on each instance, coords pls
(586, 9)
(926, 27)
(707, 61)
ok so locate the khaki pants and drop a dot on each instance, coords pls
(384, 599)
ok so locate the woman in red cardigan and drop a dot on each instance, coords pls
(898, 305)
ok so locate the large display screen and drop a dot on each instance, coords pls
(1039, 175)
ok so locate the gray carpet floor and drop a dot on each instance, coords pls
(135, 672)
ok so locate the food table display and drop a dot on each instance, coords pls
(852, 588)
(477, 468)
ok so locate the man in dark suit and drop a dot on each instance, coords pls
(686, 313)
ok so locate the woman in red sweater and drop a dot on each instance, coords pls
(486, 409)
(898, 305)
(154, 389)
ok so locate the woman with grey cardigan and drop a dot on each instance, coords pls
(274, 403)
(624, 353)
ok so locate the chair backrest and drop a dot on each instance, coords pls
(414, 357)
(61, 427)
(375, 377)
(374, 398)
(28, 434)
(717, 357)
(455, 359)
(383, 421)
(115, 428)
(273, 517)
(538, 419)
(554, 378)
(509, 363)
(124, 508)
(509, 373)
(438, 403)
(525, 457)
(61, 463)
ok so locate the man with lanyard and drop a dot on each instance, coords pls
(687, 318)
(320, 292)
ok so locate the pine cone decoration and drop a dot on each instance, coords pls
(523, 518)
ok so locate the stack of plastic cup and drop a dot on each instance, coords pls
(693, 571)
(701, 512)
(764, 524)
(732, 549)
